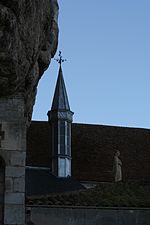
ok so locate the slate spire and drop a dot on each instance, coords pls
(60, 100)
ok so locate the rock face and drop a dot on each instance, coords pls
(28, 41)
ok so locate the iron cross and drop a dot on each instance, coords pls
(60, 60)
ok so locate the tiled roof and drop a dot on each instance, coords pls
(93, 147)
(40, 181)
(39, 144)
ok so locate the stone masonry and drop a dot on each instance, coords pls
(13, 153)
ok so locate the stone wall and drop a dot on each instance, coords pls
(89, 216)
(28, 41)
(13, 152)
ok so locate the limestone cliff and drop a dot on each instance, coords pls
(28, 41)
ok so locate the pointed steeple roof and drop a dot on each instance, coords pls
(60, 100)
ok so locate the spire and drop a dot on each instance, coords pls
(60, 100)
(60, 119)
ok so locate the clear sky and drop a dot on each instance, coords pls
(107, 72)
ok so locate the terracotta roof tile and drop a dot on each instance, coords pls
(93, 147)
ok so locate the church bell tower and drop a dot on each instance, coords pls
(60, 119)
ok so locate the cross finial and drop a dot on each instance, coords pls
(60, 60)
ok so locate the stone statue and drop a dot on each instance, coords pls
(28, 41)
(117, 167)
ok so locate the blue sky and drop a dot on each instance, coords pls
(107, 72)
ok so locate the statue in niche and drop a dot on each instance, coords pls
(117, 167)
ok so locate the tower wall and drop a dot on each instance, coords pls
(13, 152)
(61, 142)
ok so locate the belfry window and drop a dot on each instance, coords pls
(62, 137)
(64, 167)
(68, 139)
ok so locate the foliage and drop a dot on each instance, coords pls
(103, 195)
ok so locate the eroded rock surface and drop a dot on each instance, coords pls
(28, 41)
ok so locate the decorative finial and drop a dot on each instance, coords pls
(60, 60)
